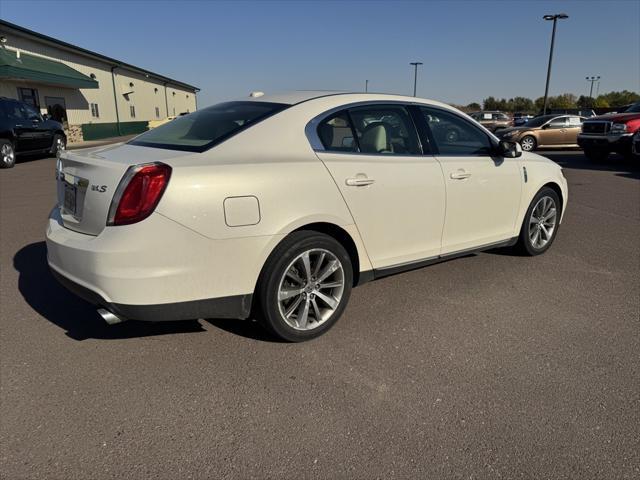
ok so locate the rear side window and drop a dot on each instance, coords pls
(383, 129)
(454, 135)
(336, 134)
(205, 128)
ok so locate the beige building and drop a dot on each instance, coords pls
(93, 95)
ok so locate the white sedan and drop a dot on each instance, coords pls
(276, 206)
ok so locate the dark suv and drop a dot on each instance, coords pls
(24, 130)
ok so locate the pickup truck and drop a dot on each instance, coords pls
(610, 133)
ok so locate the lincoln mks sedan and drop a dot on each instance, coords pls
(275, 206)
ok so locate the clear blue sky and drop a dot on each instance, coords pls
(470, 49)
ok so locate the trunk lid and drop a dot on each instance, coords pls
(87, 180)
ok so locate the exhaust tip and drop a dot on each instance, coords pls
(109, 317)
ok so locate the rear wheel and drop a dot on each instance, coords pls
(59, 144)
(595, 155)
(540, 224)
(305, 286)
(7, 154)
(528, 143)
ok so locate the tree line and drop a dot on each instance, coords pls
(566, 100)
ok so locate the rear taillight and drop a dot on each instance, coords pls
(138, 193)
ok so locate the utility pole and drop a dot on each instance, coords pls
(555, 18)
(415, 75)
(366, 85)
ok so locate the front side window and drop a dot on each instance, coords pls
(385, 130)
(575, 121)
(336, 135)
(206, 128)
(454, 135)
(559, 122)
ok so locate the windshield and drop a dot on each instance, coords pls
(635, 108)
(539, 121)
(206, 128)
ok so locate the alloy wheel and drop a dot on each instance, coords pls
(542, 222)
(7, 154)
(527, 144)
(311, 289)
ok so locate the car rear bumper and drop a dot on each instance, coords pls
(158, 269)
(605, 142)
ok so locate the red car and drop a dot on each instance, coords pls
(610, 133)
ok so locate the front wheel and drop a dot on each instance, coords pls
(59, 144)
(305, 286)
(540, 224)
(528, 143)
(7, 154)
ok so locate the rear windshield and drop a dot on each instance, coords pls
(208, 127)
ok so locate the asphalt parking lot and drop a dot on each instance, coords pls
(488, 366)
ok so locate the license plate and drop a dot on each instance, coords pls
(70, 198)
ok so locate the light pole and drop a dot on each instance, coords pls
(555, 18)
(592, 80)
(366, 85)
(415, 75)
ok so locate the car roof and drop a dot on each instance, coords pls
(300, 96)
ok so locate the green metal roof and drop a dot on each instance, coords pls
(99, 56)
(30, 67)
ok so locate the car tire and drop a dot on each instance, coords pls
(528, 143)
(7, 154)
(295, 302)
(595, 155)
(540, 224)
(59, 144)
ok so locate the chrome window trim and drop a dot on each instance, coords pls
(311, 129)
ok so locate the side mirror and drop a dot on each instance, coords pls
(509, 149)
(46, 116)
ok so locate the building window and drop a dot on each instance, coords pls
(132, 111)
(95, 112)
(56, 108)
(29, 96)
(157, 112)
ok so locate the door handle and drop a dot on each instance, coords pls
(359, 181)
(460, 175)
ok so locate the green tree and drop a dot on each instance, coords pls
(521, 104)
(474, 106)
(601, 102)
(618, 99)
(566, 100)
(490, 103)
(539, 103)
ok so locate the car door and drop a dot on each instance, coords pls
(26, 138)
(573, 128)
(395, 194)
(554, 132)
(42, 134)
(482, 189)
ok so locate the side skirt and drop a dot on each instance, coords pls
(404, 267)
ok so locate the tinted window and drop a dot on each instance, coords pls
(205, 128)
(454, 135)
(16, 111)
(559, 122)
(385, 130)
(336, 135)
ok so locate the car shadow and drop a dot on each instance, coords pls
(249, 328)
(72, 314)
(613, 163)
